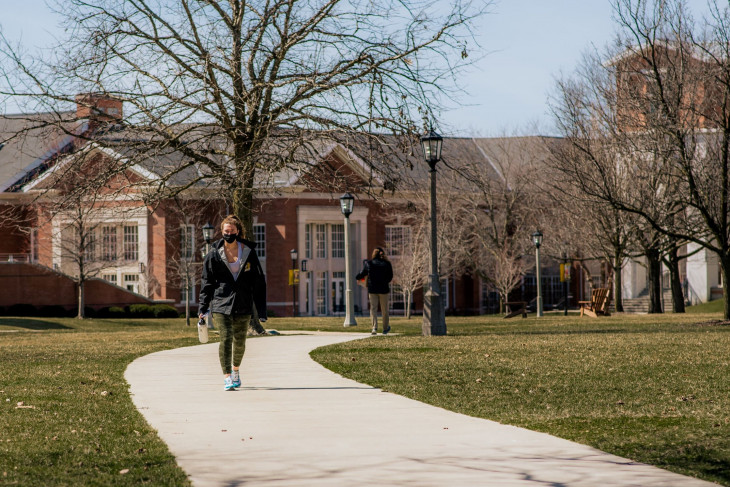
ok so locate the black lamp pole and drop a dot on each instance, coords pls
(537, 240)
(433, 307)
(347, 204)
(565, 283)
(208, 230)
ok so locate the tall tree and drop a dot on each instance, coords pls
(501, 209)
(410, 268)
(655, 110)
(246, 89)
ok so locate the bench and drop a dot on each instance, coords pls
(598, 305)
(516, 308)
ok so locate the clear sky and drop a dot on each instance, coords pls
(526, 44)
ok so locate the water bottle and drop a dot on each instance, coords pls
(203, 329)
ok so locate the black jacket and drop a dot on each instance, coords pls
(220, 293)
(380, 274)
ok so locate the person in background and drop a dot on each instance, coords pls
(232, 283)
(379, 273)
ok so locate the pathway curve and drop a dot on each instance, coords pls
(295, 423)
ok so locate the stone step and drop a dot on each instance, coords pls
(641, 304)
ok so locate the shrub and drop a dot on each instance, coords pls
(152, 311)
(22, 309)
(141, 311)
(111, 312)
(165, 311)
(53, 311)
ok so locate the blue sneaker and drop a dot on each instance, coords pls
(236, 378)
(228, 384)
(386, 330)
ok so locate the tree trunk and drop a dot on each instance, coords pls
(725, 263)
(654, 264)
(243, 209)
(676, 282)
(187, 298)
(243, 203)
(408, 304)
(80, 314)
(617, 282)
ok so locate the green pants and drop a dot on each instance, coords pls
(233, 330)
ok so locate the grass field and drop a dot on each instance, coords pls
(66, 417)
(654, 388)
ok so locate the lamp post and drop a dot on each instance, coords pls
(208, 230)
(566, 278)
(347, 202)
(537, 240)
(433, 310)
(294, 254)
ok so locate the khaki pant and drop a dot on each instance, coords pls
(383, 300)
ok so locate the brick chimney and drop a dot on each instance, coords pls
(98, 107)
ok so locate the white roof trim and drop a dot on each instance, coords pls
(92, 147)
(488, 159)
(351, 159)
(145, 173)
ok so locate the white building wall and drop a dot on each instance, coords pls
(702, 274)
(633, 278)
(358, 231)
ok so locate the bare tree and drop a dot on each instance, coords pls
(186, 259)
(650, 112)
(501, 210)
(245, 90)
(78, 242)
(77, 201)
(410, 268)
(77, 246)
(451, 231)
(585, 229)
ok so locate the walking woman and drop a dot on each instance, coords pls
(379, 273)
(233, 281)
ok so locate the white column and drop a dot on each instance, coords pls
(349, 305)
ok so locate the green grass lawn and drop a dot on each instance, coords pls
(716, 306)
(66, 417)
(654, 388)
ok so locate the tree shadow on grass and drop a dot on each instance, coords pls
(31, 324)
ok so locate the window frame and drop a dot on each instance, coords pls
(397, 245)
(259, 236)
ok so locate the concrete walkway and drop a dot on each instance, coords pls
(294, 423)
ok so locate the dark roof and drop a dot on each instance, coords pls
(28, 142)
(385, 161)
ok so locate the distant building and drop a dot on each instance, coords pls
(153, 252)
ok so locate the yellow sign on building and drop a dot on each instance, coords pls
(564, 272)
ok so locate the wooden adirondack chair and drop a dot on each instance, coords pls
(516, 308)
(598, 305)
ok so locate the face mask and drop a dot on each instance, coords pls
(230, 238)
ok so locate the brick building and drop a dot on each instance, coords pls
(154, 251)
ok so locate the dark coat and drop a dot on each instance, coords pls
(379, 273)
(220, 293)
